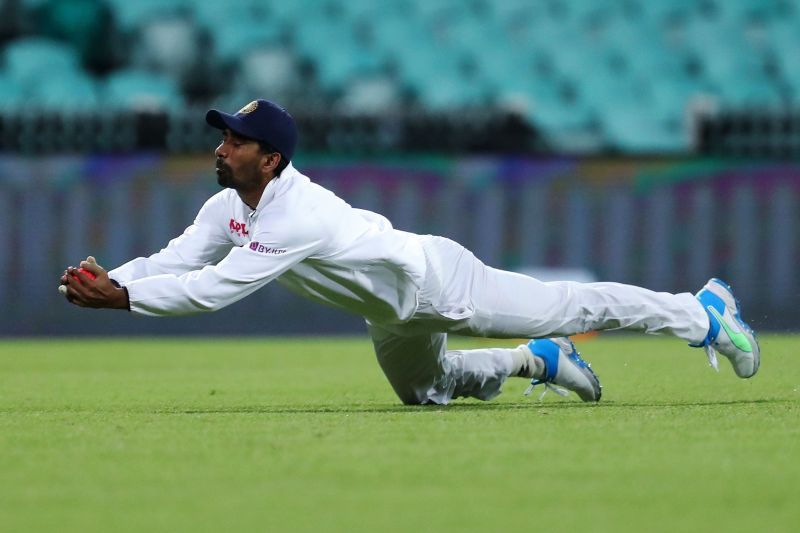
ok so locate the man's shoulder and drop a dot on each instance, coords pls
(300, 192)
(225, 196)
(220, 205)
(225, 199)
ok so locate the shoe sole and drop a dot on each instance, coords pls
(598, 389)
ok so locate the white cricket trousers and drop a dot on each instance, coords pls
(462, 295)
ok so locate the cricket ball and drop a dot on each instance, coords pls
(84, 272)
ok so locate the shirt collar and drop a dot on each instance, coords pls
(276, 185)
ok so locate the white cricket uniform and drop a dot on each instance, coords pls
(412, 289)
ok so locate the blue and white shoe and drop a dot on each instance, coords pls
(564, 367)
(728, 334)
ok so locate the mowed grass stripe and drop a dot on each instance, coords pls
(306, 435)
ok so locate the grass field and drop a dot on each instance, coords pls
(306, 435)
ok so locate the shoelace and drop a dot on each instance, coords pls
(547, 386)
(711, 353)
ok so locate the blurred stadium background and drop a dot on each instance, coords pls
(652, 142)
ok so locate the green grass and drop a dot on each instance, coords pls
(306, 435)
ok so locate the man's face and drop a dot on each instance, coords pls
(239, 162)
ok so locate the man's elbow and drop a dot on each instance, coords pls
(206, 306)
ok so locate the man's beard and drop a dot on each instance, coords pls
(246, 179)
(224, 175)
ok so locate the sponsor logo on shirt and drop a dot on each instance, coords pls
(262, 249)
(239, 228)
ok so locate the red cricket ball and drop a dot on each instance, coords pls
(84, 272)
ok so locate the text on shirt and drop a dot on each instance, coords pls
(260, 248)
(238, 228)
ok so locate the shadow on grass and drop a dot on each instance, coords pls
(461, 407)
(469, 406)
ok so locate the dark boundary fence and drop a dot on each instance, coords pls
(38, 132)
(770, 133)
(749, 133)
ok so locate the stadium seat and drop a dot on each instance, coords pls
(420, 70)
(529, 67)
(453, 93)
(371, 95)
(12, 93)
(658, 62)
(751, 93)
(271, 70)
(338, 65)
(429, 10)
(661, 11)
(784, 49)
(32, 59)
(131, 15)
(672, 96)
(742, 11)
(740, 73)
(508, 11)
(142, 91)
(601, 88)
(370, 10)
(637, 130)
(170, 45)
(395, 35)
(556, 107)
(66, 92)
(233, 40)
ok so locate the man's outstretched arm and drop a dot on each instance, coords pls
(244, 270)
(203, 243)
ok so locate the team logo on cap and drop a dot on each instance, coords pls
(249, 108)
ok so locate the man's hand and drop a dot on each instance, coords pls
(84, 291)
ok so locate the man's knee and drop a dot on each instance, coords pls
(410, 400)
(414, 397)
(428, 396)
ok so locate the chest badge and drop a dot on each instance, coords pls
(238, 228)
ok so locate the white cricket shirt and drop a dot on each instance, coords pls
(301, 234)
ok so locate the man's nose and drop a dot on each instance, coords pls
(221, 151)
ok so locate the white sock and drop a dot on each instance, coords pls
(525, 364)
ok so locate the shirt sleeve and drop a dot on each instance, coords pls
(244, 270)
(203, 243)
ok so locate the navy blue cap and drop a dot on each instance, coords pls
(260, 120)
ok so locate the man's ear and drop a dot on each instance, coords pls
(270, 162)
